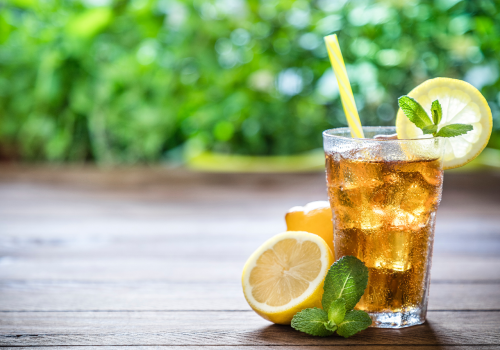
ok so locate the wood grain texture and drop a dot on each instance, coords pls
(273, 347)
(76, 296)
(228, 328)
(119, 237)
(203, 269)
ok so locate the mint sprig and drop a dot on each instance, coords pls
(312, 321)
(417, 115)
(344, 286)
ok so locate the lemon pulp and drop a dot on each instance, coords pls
(285, 275)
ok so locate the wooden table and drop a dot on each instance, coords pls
(152, 257)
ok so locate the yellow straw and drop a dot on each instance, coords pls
(351, 113)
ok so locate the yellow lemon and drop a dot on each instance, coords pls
(285, 275)
(462, 103)
(314, 217)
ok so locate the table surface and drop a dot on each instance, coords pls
(153, 257)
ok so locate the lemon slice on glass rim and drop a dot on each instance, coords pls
(461, 103)
(285, 275)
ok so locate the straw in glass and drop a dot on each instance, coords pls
(351, 113)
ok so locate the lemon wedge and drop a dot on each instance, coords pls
(461, 103)
(285, 275)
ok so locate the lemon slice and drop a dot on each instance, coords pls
(285, 275)
(461, 103)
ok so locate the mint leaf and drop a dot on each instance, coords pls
(337, 311)
(414, 111)
(347, 278)
(312, 321)
(430, 129)
(437, 112)
(354, 322)
(331, 326)
(344, 285)
(453, 130)
(417, 115)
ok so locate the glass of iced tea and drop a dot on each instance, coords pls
(384, 194)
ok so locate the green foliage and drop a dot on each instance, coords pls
(344, 285)
(414, 111)
(346, 279)
(312, 321)
(337, 311)
(437, 112)
(418, 116)
(128, 81)
(452, 130)
(354, 322)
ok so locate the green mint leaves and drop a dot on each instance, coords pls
(312, 321)
(417, 115)
(337, 310)
(346, 279)
(344, 285)
(414, 111)
(354, 321)
(437, 112)
(453, 130)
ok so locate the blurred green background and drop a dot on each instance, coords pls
(119, 82)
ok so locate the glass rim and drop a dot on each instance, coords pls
(326, 134)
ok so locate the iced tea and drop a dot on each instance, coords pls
(384, 206)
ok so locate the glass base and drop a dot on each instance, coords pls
(397, 319)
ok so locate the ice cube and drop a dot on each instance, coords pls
(371, 218)
(405, 221)
(363, 217)
(360, 174)
(393, 252)
(420, 198)
(388, 194)
(432, 174)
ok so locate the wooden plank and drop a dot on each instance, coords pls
(228, 328)
(79, 204)
(280, 347)
(27, 231)
(183, 187)
(161, 179)
(236, 248)
(212, 269)
(179, 250)
(44, 190)
(22, 296)
(217, 235)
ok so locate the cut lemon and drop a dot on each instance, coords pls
(285, 275)
(314, 217)
(461, 103)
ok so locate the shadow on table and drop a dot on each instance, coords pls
(425, 334)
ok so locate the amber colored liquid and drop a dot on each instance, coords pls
(384, 214)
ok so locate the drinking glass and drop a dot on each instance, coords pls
(384, 194)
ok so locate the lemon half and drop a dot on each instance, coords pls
(285, 275)
(461, 103)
